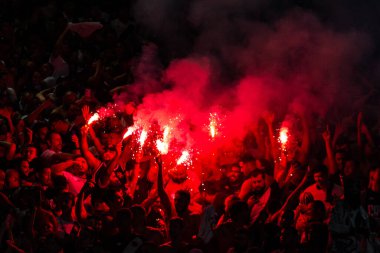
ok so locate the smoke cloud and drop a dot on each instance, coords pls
(241, 58)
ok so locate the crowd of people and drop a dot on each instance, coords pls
(67, 186)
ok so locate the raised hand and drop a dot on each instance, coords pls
(75, 140)
(86, 112)
(326, 135)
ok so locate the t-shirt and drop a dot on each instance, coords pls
(47, 157)
(75, 183)
(321, 194)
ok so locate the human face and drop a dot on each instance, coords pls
(248, 167)
(339, 159)
(42, 133)
(258, 183)
(12, 179)
(320, 179)
(108, 155)
(60, 126)
(56, 142)
(45, 177)
(234, 174)
(30, 153)
(349, 168)
(24, 168)
(81, 165)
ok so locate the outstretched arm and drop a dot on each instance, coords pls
(105, 174)
(332, 166)
(92, 161)
(165, 201)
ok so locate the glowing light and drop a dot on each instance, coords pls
(163, 145)
(283, 136)
(129, 131)
(143, 137)
(184, 157)
(93, 118)
(213, 125)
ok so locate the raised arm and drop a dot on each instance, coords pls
(92, 161)
(105, 173)
(332, 166)
(165, 201)
(80, 210)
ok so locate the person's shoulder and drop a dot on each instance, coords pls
(311, 188)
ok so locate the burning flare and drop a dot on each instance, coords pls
(129, 131)
(163, 145)
(213, 125)
(143, 137)
(283, 136)
(184, 157)
(94, 117)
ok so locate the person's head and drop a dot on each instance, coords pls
(24, 167)
(44, 176)
(247, 164)
(80, 167)
(12, 179)
(340, 158)
(30, 152)
(258, 182)
(320, 175)
(181, 201)
(58, 123)
(55, 142)
(109, 153)
(234, 173)
(41, 130)
(317, 211)
(305, 199)
(69, 98)
(350, 168)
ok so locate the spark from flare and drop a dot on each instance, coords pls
(143, 137)
(213, 126)
(163, 145)
(284, 136)
(129, 131)
(93, 118)
(184, 157)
